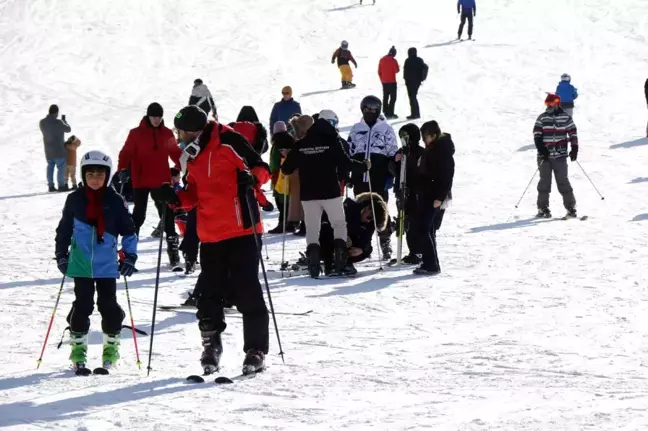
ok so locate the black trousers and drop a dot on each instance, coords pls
(190, 241)
(230, 272)
(467, 15)
(389, 98)
(428, 222)
(112, 315)
(140, 198)
(412, 93)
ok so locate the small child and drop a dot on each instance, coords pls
(180, 215)
(86, 250)
(71, 146)
(567, 93)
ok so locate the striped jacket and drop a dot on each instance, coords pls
(553, 129)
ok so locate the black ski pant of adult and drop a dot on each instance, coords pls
(389, 98)
(412, 93)
(140, 198)
(112, 314)
(190, 241)
(466, 15)
(232, 266)
(429, 220)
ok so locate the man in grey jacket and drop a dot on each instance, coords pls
(53, 131)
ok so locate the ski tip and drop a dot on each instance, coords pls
(195, 379)
(222, 380)
(101, 371)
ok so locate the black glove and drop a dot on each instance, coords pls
(127, 266)
(124, 176)
(167, 195)
(63, 118)
(544, 153)
(245, 179)
(62, 263)
(573, 154)
(268, 208)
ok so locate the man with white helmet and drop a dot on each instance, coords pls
(323, 164)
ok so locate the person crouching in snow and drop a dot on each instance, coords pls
(359, 216)
(93, 217)
(282, 142)
(344, 56)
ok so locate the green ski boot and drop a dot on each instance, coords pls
(78, 354)
(110, 350)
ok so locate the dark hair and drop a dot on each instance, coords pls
(198, 81)
(175, 172)
(53, 109)
(430, 128)
(247, 113)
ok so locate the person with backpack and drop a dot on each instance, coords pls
(468, 10)
(567, 93)
(202, 97)
(387, 69)
(415, 71)
(344, 56)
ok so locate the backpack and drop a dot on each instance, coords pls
(424, 71)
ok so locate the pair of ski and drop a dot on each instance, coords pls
(193, 308)
(222, 380)
(567, 217)
(84, 371)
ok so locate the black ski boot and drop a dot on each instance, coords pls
(340, 255)
(173, 252)
(411, 259)
(254, 361)
(313, 254)
(422, 270)
(51, 188)
(192, 301)
(349, 270)
(385, 245)
(190, 267)
(571, 213)
(212, 351)
(543, 213)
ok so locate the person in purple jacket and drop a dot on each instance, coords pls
(468, 10)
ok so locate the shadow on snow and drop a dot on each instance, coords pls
(636, 143)
(511, 225)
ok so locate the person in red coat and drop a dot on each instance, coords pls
(387, 69)
(220, 185)
(146, 152)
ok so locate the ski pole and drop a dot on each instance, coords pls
(283, 243)
(590, 180)
(130, 311)
(49, 327)
(529, 185)
(155, 297)
(373, 212)
(401, 212)
(265, 276)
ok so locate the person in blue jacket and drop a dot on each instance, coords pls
(567, 93)
(284, 109)
(86, 250)
(468, 10)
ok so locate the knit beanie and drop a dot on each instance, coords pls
(279, 127)
(155, 110)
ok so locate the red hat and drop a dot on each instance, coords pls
(552, 99)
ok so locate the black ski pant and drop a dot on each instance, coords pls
(412, 93)
(466, 15)
(389, 98)
(230, 272)
(112, 315)
(429, 221)
(140, 199)
(561, 172)
(190, 241)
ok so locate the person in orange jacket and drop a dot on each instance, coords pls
(387, 69)
(344, 56)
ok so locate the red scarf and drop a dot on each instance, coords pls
(94, 210)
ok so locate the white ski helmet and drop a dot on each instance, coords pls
(96, 158)
(565, 77)
(330, 116)
(344, 44)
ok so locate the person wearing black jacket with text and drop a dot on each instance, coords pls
(415, 72)
(435, 176)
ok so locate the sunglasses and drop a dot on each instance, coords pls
(286, 94)
(371, 108)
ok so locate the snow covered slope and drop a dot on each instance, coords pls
(534, 325)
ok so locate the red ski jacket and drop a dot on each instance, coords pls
(387, 69)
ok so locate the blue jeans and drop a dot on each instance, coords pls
(60, 171)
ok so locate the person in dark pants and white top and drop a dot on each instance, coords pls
(202, 97)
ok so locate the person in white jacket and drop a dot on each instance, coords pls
(202, 97)
(375, 140)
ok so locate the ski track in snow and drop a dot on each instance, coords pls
(533, 325)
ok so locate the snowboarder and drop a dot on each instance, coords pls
(415, 71)
(344, 56)
(284, 109)
(220, 185)
(435, 176)
(552, 132)
(147, 151)
(360, 230)
(53, 131)
(387, 69)
(373, 139)
(202, 97)
(282, 143)
(93, 217)
(71, 146)
(322, 163)
(567, 93)
(468, 10)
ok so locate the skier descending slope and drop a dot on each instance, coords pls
(468, 10)
(553, 129)
(93, 217)
(344, 56)
(221, 186)
(567, 93)
(373, 139)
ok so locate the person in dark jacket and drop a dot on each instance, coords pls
(435, 177)
(414, 72)
(86, 250)
(321, 159)
(202, 97)
(248, 124)
(407, 198)
(284, 109)
(146, 152)
(468, 10)
(53, 131)
(359, 215)
(344, 57)
(282, 143)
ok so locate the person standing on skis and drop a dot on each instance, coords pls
(553, 131)
(202, 97)
(86, 237)
(567, 93)
(468, 10)
(220, 185)
(344, 56)
(373, 139)
(387, 69)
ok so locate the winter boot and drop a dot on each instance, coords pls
(411, 259)
(339, 255)
(385, 245)
(313, 253)
(254, 361)
(192, 301)
(79, 351)
(157, 232)
(212, 351)
(190, 266)
(110, 354)
(301, 231)
(422, 270)
(349, 270)
(74, 186)
(571, 213)
(64, 188)
(51, 188)
(543, 213)
(172, 251)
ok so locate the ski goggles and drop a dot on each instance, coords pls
(192, 149)
(333, 122)
(372, 107)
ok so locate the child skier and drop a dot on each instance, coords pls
(71, 146)
(567, 93)
(179, 214)
(86, 250)
(344, 56)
